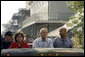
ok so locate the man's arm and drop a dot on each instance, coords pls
(54, 43)
(71, 44)
(51, 44)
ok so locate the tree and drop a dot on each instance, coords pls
(77, 21)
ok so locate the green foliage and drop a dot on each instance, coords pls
(78, 8)
(75, 5)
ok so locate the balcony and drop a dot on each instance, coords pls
(46, 18)
(35, 18)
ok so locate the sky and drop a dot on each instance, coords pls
(8, 8)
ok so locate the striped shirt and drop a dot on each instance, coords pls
(38, 43)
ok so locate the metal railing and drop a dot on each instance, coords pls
(43, 52)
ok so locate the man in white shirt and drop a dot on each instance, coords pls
(43, 41)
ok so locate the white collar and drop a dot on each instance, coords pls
(41, 39)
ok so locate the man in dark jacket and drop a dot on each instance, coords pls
(63, 41)
(6, 42)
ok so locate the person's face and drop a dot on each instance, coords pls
(44, 33)
(19, 38)
(7, 38)
(63, 32)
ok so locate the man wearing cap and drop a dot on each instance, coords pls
(7, 40)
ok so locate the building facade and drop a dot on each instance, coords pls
(49, 14)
